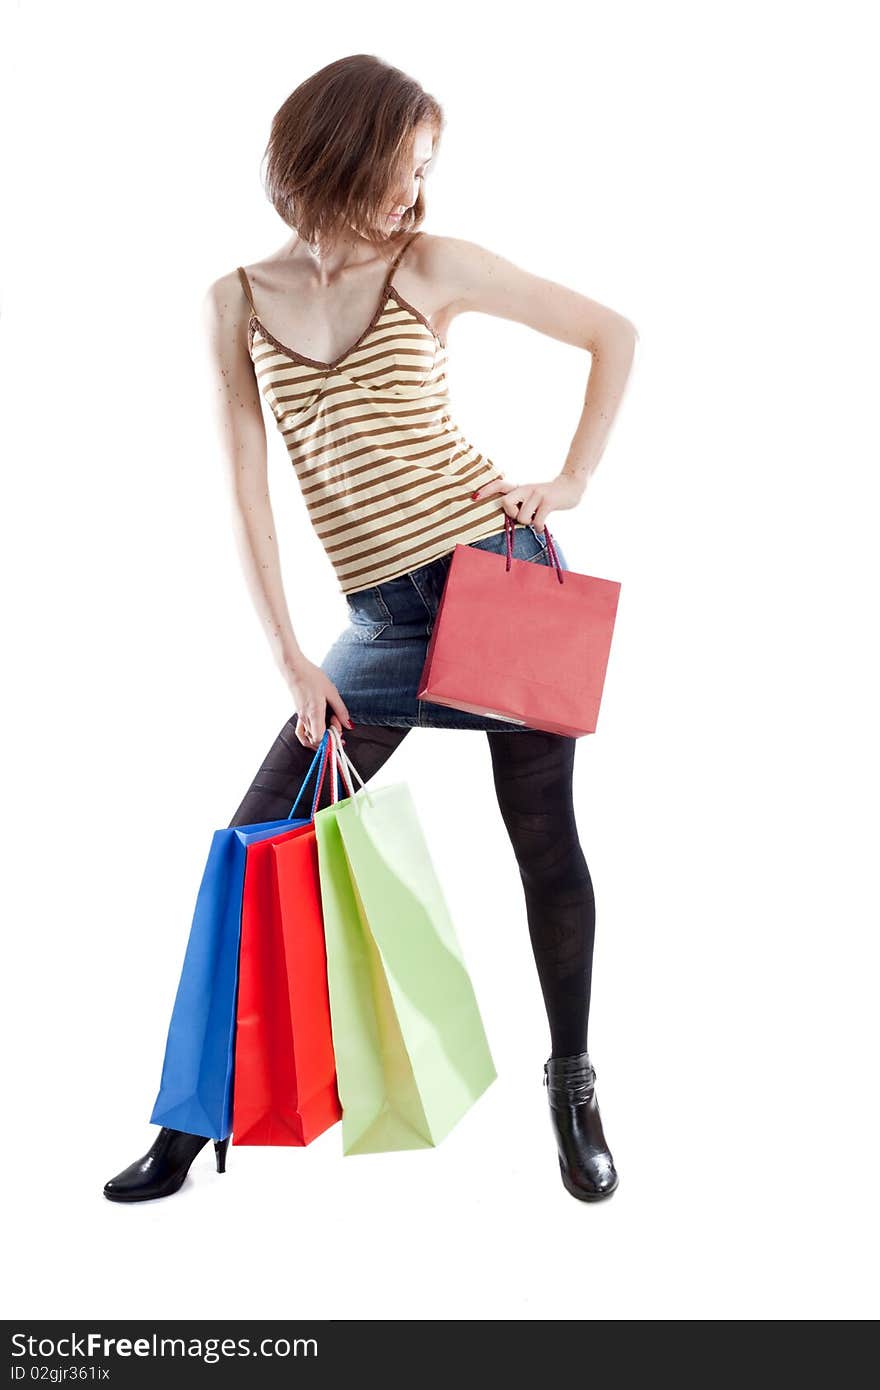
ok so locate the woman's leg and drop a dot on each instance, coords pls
(274, 789)
(533, 782)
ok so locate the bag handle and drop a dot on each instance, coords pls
(334, 784)
(510, 531)
(320, 755)
(339, 758)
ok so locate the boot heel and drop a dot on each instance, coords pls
(220, 1147)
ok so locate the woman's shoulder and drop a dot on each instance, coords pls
(228, 290)
(449, 260)
(449, 251)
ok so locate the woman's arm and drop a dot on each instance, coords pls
(242, 436)
(475, 279)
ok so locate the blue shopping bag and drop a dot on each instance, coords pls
(195, 1093)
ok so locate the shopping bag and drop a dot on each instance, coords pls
(284, 1087)
(411, 1052)
(195, 1092)
(519, 641)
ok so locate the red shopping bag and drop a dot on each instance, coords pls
(520, 641)
(284, 1089)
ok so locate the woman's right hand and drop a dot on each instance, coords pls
(312, 692)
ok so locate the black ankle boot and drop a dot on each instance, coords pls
(163, 1167)
(584, 1158)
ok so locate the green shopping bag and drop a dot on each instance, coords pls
(411, 1051)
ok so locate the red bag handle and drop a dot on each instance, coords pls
(341, 762)
(510, 531)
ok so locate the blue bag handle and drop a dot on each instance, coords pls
(320, 756)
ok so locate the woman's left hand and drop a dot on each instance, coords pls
(533, 502)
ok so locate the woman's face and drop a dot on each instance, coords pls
(403, 197)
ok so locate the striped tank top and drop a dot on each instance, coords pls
(385, 473)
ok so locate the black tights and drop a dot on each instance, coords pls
(532, 772)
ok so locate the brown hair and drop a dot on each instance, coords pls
(338, 144)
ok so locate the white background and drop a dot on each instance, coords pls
(706, 170)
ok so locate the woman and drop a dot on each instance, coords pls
(391, 486)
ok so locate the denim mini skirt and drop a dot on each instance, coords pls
(377, 660)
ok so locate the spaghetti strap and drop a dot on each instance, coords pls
(246, 286)
(399, 256)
